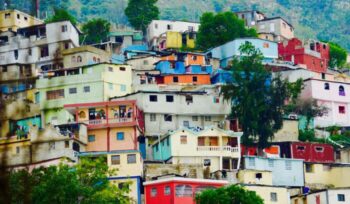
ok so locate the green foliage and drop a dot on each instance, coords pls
(338, 55)
(257, 100)
(233, 194)
(61, 15)
(95, 31)
(141, 12)
(310, 109)
(217, 29)
(85, 182)
(307, 135)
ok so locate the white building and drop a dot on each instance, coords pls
(41, 45)
(327, 196)
(158, 27)
(171, 110)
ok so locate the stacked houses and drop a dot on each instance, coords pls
(155, 112)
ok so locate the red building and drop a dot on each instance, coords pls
(309, 152)
(177, 190)
(312, 55)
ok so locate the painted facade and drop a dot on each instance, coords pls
(184, 79)
(221, 148)
(271, 194)
(157, 27)
(84, 55)
(228, 51)
(326, 196)
(12, 20)
(332, 95)
(319, 176)
(177, 190)
(250, 18)
(249, 176)
(112, 126)
(275, 29)
(312, 55)
(285, 172)
(90, 83)
(176, 40)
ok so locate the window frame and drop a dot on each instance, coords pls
(90, 138)
(113, 160)
(129, 156)
(120, 136)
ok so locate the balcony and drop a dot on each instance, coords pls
(111, 122)
(218, 150)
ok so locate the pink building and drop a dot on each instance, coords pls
(333, 95)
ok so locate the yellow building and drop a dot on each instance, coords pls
(84, 55)
(271, 194)
(250, 176)
(319, 176)
(177, 40)
(11, 20)
(129, 167)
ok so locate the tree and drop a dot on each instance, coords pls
(217, 29)
(141, 12)
(233, 194)
(85, 182)
(257, 99)
(95, 31)
(310, 109)
(338, 55)
(61, 14)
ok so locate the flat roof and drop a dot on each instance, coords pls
(274, 18)
(190, 180)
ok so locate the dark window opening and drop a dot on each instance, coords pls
(153, 98)
(169, 98)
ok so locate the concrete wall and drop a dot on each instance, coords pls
(289, 132)
(283, 196)
(192, 170)
(16, 19)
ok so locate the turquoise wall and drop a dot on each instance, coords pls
(164, 149)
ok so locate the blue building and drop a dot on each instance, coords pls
(226, 52)
(285, 172)
(221, 76)
(171, 67)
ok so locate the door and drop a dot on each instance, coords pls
(122, 111)
(92, 113)
(213, 141)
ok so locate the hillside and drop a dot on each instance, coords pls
(322, 19)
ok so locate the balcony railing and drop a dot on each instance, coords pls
(218, 148)
(110, 121)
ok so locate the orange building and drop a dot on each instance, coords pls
(114, 125)
(196, 79)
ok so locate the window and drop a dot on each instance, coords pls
(79, 59)
(4, 68)
(169, 27)
(337, 154)
(18, 16)
(251, 161)
(122, 69)
(66, 144)
(122, 87)
(25, 18)
(183, 139)
(309, 168)
(154, 192)
(56, 94)
(216, 100)
(153, 98)
(194, 118)
(206, 162)
(341, 197)
(18, 150)
(288, 165)
(167, 190)
(110, 85)
(175, 79)
(44, 51)
(72, 90)
(323, 75)
(115, 159)
(186, 123)
(300, 148)
(207, 118)
(64, 28)
(7, 15)
(131, 158)
(156, 147)
(273, 197)
(189, 99)
(52, 145)
(258, 175)
(86, 89)
(123, 185)
(341, 91)
(183, 191)
(341, 109)
(16, 54)
(270, 163)
(110, 69)
(326, 86)
(120, 135)
(319, 149)
(91, 138)
(145, 62)
(167, 141)
(66, 46)
(195, 79)
(169, 98)
(168, 118)
(152, 117)
(194, 57)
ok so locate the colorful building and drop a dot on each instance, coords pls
(177, 190)
(184, 79)
(212, 147)
(11, 20)
(271, 194)
(129, 170)
(114, 125)
(325, 196)
(230, 50)
(312, 55)
(90, 83)
(176, 40)
(276, 29)
(285, 172)
(333, 96)
(84, 55)
(309, 152)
